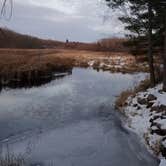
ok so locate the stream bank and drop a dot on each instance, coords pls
(146, 116)
(28, 67)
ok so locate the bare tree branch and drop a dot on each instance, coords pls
(3, 12)
(6, 9)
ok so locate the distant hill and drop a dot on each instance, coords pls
(11, 39)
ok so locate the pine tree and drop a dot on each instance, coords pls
(139, 22)
(160, 9)
(159, 26)
(146, 20)
(150, 43)
(164, 60)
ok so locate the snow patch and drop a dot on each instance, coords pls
(163, 162)
(149, 123)
(91, 63)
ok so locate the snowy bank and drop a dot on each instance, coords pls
(146, 114)
(163, 162)
(117, 63)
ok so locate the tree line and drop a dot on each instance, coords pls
(146, 22)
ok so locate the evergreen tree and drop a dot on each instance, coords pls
(147, 22)
(160, 8)
(164, 59)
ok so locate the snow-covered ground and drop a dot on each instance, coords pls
(116, 62)
(146, 114)
(163, 162)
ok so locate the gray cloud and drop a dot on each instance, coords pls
(60, 19)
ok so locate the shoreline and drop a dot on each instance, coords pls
(26, 67)
(145, 113)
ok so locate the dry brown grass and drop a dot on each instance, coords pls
(143, 86)
(19, 60)
(113, 45)
(34, 62)
(12, 160)
(121, 100)
(31, 67)
(14, 60)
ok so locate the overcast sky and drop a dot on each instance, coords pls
(77, 20)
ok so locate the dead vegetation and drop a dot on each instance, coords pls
(9, 159)
(30, 66)
(104, 45)
(121, 100)
(143, 86)
(112, 45)
(12, 160)
(12, 61)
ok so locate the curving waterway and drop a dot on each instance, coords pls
(71, 122)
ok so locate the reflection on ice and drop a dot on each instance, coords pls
(71, 122)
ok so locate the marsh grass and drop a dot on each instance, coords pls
(121, 100)
(9, 159)
(24, 67)
(21, 60)
(12, 160)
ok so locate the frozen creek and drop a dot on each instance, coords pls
(71, 122)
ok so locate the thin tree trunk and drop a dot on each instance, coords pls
(150, 46)
(164, 59)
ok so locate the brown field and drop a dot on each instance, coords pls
(27, 65)
(12, 60)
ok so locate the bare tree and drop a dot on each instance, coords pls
(6, 9)
(3, 11)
